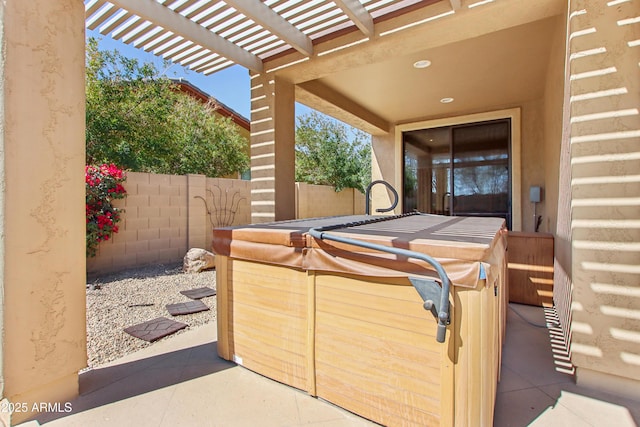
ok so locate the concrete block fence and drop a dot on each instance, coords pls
(166, 215)
(322, 200)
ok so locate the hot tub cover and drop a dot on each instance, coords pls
(465, 246)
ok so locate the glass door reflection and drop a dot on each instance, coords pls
(459, 170)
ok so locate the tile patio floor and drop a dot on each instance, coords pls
(182, 382)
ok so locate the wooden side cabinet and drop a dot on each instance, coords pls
(530, 258)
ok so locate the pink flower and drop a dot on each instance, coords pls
(103, 183)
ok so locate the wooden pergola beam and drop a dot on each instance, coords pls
(270, 20)
(178, 24)
(358, 14)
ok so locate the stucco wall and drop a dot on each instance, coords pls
(541, 140)
(558, 175)
(385, 158)
(533, 162)
(553, 119)
(604, 140)
(540, 126)
(42, 134)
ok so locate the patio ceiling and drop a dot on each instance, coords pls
(210, 35)
(499, 69)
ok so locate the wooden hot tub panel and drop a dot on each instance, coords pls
(363, 340)
(364, 343)
(266, 319)
(376, 352)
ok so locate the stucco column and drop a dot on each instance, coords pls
(42, 184)
(272, 149)
(605, 189)
(386, 161)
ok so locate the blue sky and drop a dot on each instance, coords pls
(230, 86)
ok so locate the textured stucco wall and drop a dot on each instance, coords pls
(533, 162)
(43, 133)
(604, 140)
(3, 418)
(386, 161)
(559, 195)
(559, 179)
(553, 117)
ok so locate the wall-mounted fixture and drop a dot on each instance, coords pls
(535, 197)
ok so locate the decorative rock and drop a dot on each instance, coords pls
(197, 260)
(108, 310)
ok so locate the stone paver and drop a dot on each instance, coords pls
(186, 307)
(155, 329)
(199, 293)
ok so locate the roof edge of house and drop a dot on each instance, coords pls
(226, 111)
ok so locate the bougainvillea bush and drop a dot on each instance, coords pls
(103, 185)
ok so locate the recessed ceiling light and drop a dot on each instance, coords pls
(423, 63)
(446, 100)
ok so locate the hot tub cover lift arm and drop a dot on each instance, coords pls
(435, 297)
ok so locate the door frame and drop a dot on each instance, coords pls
(515, 150)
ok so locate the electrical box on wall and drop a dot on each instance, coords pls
(535, 194)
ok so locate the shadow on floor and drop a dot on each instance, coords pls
(538, 386)
(109, 384)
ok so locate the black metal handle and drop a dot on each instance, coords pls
(367, 195)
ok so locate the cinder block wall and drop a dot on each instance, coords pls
(322, 200)
(153, 227)
(166, 215)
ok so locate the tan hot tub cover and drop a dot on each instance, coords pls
(465, 246)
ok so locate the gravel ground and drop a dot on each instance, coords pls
(133, 296)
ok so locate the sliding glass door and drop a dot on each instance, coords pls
(459, 170)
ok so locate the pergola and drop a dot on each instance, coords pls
(210, 35)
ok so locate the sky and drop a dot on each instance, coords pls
(230, 86)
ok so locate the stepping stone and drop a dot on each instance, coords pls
(199, 293)
(155, 329)
(187, 307)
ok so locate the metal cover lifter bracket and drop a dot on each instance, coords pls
(431, 293)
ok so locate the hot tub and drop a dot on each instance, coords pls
(345, 321)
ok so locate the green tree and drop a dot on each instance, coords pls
(326, 155)
(139, 121)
